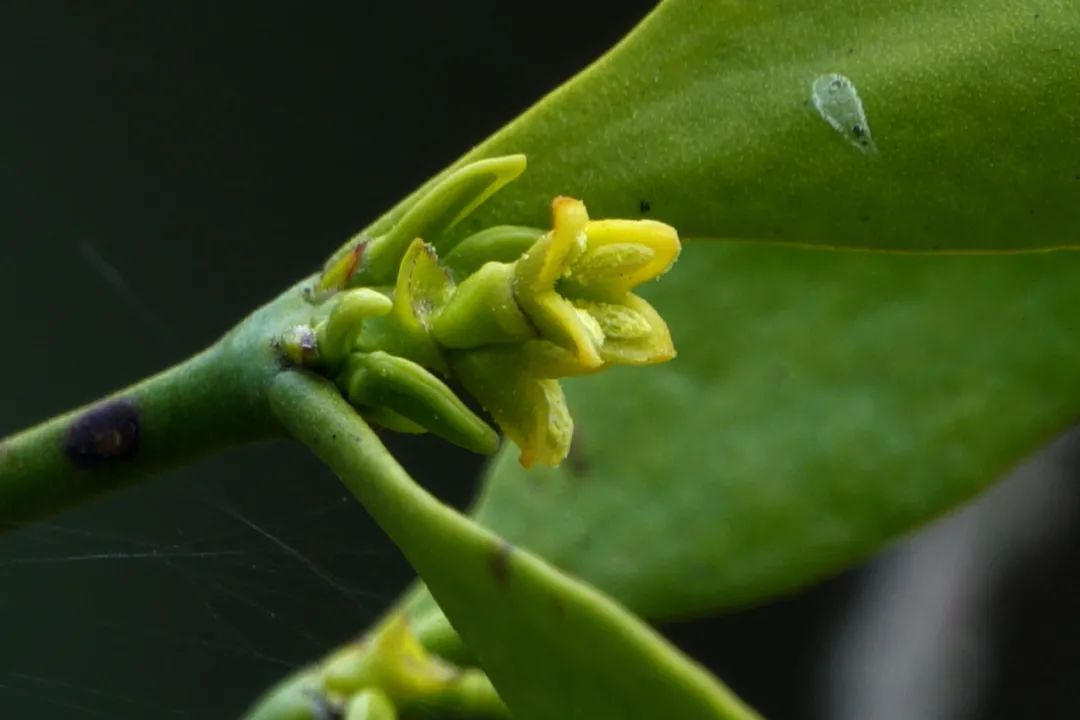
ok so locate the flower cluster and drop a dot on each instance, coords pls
(529, 307)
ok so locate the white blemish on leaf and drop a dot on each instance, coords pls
(838, 103)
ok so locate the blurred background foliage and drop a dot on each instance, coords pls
(168, 167)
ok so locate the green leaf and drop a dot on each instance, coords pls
(821, 404)
(704, 118)
(823, 401)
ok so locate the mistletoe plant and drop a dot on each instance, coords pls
(885, 328)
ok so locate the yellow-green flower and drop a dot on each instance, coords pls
(564, 308)
(506, 313)
(575, 283)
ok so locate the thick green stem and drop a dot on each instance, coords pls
(187, 411)
(313, 410)
(552, 646)
(211, 401)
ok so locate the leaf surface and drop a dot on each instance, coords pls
(704, 117)
(821, 404)
(823, 400)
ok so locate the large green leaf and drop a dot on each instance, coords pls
(704, 116)
(823, 401)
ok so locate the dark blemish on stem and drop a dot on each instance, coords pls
(577, 461)
(106, 433)
(500, 562)
(644, 206)
(354, 261)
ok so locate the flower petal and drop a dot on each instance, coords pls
(531, 411)
(537, 272)
(634, 333)
(619, 256)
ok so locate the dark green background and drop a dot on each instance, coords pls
(164, 169)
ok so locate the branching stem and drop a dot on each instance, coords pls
(190, 410)
(499, 596)
(209, 402)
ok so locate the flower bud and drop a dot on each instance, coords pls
(572, 288)
(483, 311)
(451, 198)
(502, 243)
(383, 382)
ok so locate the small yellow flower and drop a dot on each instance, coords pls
(575, 283)
(564, 308)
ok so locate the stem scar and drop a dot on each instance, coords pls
(105, 433)
(500, 562)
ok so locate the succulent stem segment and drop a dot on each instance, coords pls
(507, 312)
